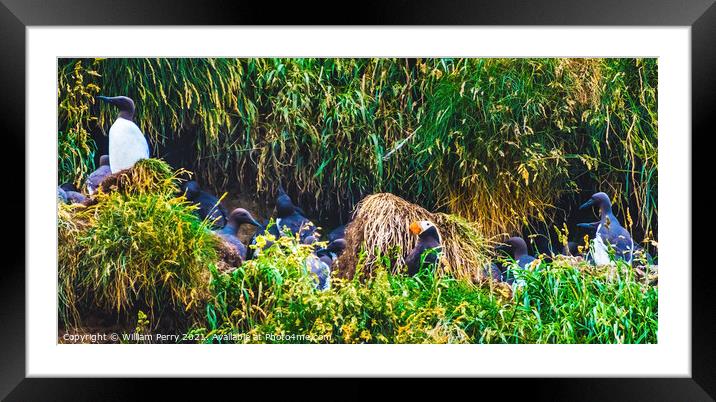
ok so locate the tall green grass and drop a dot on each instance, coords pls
(77, 88)
(503, 142)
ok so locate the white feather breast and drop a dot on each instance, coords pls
(127, 145)
(600, 252)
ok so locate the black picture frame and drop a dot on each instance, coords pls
(16, 15)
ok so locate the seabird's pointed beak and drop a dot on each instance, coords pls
(255, 223)
(589, 203)
(585, 225)
(415, 228)
(103, 98)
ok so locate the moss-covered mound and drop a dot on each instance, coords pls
(137, 247)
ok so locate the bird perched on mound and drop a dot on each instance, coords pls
(127, 144)
(291, 217)
(229, 233)
(210, 206)
(95, 178)
(516, 248)
(72, 196)
(320, 262)
(609, 233)
(428, 249)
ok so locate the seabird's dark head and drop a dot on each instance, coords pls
(104, 160)
(284, 205)
(192, 190)
(240, 216)
(516, 247)
(600, 200)
(125, 105)
(424, 229)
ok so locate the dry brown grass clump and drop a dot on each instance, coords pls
(380, 229)
(146, 176)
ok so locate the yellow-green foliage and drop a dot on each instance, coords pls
(496, 141)
(273, 299)
(134, 249)
(76, 91)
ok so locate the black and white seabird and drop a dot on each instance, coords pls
(95, 178)
(127, 144)
(609, 232)
(210, 207)
(291, 217)
(516, 248)
(229, 233)
(428, 249)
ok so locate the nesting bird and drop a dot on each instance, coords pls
(127, 144)
(517, 250)
(609, 233)
(95, 178)
(229, 233)
(293, 218)
(210, 206)
(428, 249)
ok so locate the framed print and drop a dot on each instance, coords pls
(461, 191)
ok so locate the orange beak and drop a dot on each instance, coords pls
(415, 228)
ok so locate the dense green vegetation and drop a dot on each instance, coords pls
(138, 247)
(502, 142)
(560, 302)
(479, 146)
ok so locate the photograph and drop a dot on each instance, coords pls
(357, 200)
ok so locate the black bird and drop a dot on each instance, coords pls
(291, 217)
(337, 233)
(209, 205)
(229, 232)
(95, 178)
(72, 194)
(516, 248)
(428, 248)
(609, 233)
